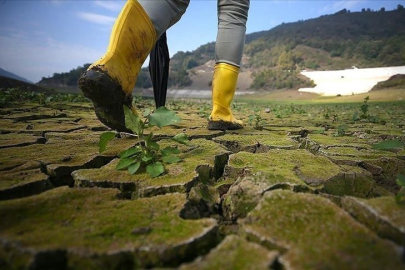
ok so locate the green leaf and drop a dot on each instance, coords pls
(132, 121)
(181, 138)
(153, 145)
(130, 152)
(124, 163)
(401, 180)
(104, 139)
(147, 158)
(146, 112)
(171, 159)
(389, 144)
(163, 117)
(170, 150)
(155, 169)
(133, 168)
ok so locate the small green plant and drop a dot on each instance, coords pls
(235, 106)
(355, 116)
(147, 153)
(137, 99)
(327, 114)
(256, 120)
(202, 112)
(340, 131)
(19, 95)
(364, 108)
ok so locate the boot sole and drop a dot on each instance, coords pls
(223, 125)
(107, 96)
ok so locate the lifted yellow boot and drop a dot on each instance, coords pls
(109, 81)
(223, 90)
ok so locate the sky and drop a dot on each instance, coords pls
(41, 37)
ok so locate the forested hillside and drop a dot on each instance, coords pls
(276, 57)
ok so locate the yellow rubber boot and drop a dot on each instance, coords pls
(223, 90)
(109, 81)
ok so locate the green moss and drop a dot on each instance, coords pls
(75, 152)
(272, 140)
(258, 173)
(241, 199)
(388, 209)
(191, 130)
(224, 182)
(250, 130)
(191, 124)
(178, 177)
(95, 220)
(33, 127)
(11, 259)
(326, 140)
(317, 234)
(8, 140)
(235, 253)
(359, 154)
(293, 166)
(11, 179)
(382, 215)
(350, 184)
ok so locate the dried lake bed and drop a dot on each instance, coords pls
(300, 187)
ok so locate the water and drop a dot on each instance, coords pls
(349, 81)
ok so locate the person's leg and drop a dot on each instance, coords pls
(109, 81)
(232, 18)
(164, 13)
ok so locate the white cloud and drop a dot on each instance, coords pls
(110, 5)
(41, 56)
(96, 18)
(338, 5)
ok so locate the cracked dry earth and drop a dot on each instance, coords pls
(288, 196)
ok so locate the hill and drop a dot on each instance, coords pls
(6, 82)
(11, 75)
(64, 79)
(273, 59)
(338, 41)
(396, 82)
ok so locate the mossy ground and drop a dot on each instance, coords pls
(301, 224)
(286, 166)
(97, 221)
(109, 219)
(257, 143)
(85, 219)
(178, 177)
(235, 253)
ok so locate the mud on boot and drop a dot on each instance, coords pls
(223, 125)
(107, 96)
